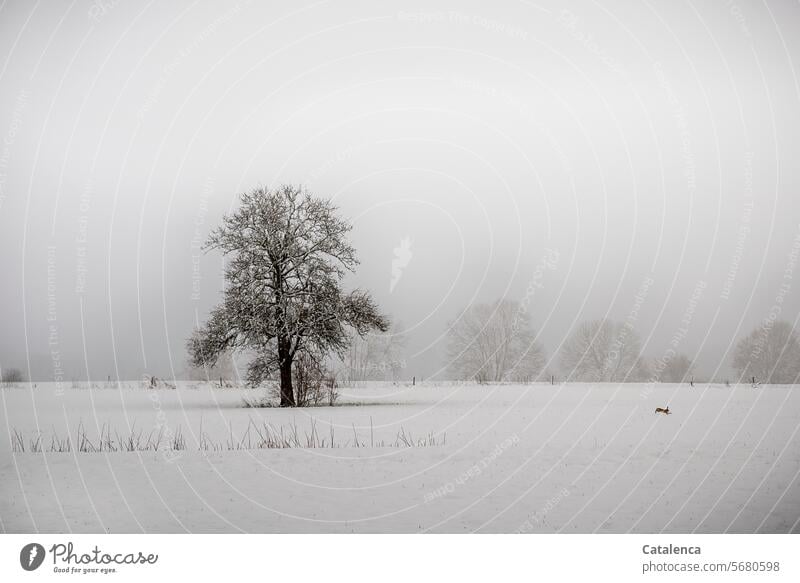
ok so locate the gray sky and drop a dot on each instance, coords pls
(638, 141)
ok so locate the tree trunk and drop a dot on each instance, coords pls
(287, 391)
(285, 364)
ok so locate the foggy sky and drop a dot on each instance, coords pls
(653, 147)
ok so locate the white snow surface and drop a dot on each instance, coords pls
(526, 458)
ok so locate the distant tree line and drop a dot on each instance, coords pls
(495, 342)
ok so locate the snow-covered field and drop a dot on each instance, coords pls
(534, 458)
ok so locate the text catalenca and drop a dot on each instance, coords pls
(670, 550)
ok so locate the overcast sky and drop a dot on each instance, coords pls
(651, 148)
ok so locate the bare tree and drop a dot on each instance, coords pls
(770, 353)
(677, 369)
(375, 356)
(494, 342)
(603, 351)
(288, 253)
(224, 369)
(12, 375)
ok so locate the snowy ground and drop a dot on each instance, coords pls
(571, 458)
